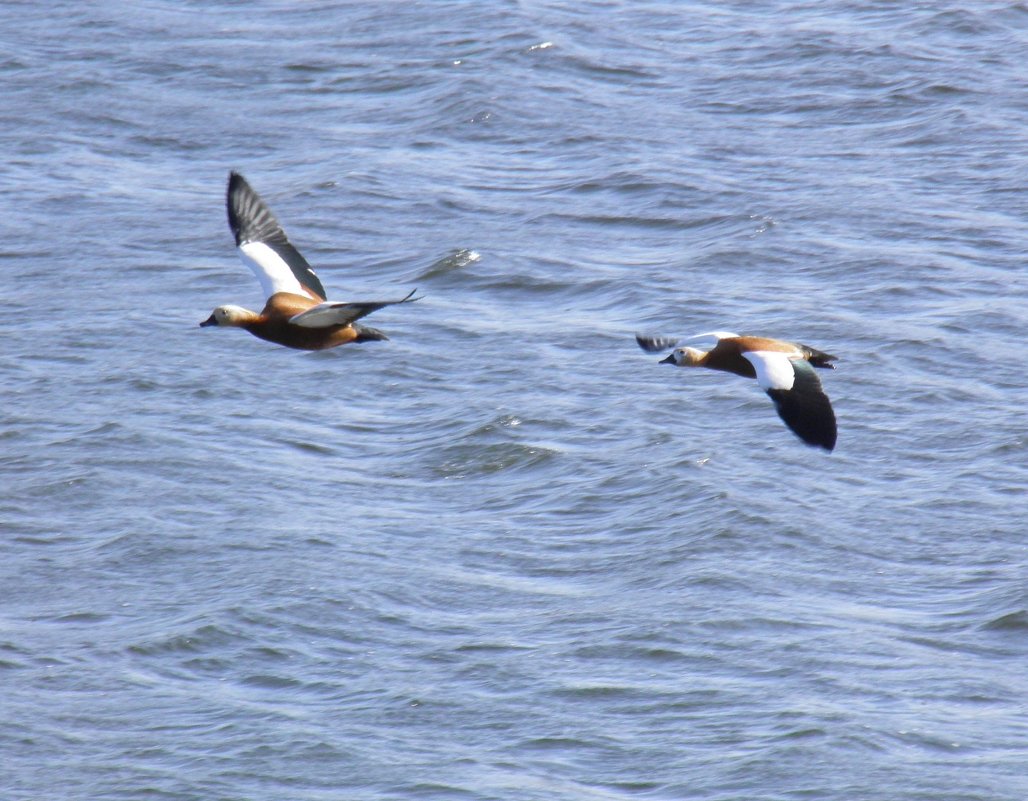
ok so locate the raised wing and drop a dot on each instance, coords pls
(325, 315)
(263, 245)
(798, 397)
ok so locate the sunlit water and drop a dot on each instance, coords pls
(506, 555)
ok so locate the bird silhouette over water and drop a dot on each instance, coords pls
(782, 369)
(296, 313)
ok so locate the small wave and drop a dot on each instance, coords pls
(81, 617)
(266, 681)
(464, 461)
(1013, 621)
(459, 258)
(309, 447)
(201, 639)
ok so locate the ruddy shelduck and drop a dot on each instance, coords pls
(296, 313)
(782, 369)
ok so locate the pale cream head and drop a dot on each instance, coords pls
(686, 357)
(232, 316)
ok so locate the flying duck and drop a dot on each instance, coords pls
(783, 370)
(296, 313)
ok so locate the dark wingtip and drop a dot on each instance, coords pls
(826, 440)
(235, 182)
(822, 437)
(654, 344)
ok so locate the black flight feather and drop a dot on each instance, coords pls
(806, 409)
(252, 221)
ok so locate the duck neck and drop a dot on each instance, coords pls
(694, 357)
(238, 317)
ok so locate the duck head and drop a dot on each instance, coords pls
(233, 316)
(684, 357)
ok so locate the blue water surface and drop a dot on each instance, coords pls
(506, 554)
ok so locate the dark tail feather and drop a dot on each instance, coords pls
(366, 333)
(818, 358)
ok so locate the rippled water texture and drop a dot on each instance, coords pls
(507, 555)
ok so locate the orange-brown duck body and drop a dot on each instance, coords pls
(273, 325)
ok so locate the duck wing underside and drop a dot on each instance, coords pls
(326, 315)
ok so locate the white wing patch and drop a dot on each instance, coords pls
(715, 334)
(270, 268)
(774, 368)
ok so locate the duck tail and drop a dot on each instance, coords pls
(818, 358)
(366, 333)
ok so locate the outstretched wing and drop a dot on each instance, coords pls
(325, 315)
(658, 344)
(797, 394)
(263, 245)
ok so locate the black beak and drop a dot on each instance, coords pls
(209, 321)
(669, 360)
